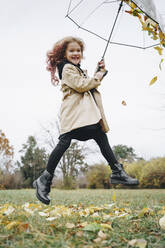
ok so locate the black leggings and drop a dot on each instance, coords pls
(84, 133)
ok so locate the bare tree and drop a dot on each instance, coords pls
(73, 161)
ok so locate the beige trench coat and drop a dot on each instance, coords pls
(79, 106)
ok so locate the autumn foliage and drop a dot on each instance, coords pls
(5, 148)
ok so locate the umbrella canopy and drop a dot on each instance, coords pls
(120, 21)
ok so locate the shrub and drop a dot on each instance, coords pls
(98, 176)
(153, 174)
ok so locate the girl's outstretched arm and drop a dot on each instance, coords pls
(74, 80)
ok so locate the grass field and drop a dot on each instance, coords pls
(82, 218)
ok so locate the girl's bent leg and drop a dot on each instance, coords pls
(102, 141)
(57, 153)
(118, 176)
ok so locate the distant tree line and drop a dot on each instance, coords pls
(74, 171)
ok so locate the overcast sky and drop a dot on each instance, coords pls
(28, 99)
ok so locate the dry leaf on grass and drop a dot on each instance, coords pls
(140, 243)
(70, 225)
(162, 222)
(102, 235)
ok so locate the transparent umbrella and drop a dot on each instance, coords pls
(121, 22)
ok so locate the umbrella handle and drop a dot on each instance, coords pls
(99, 69)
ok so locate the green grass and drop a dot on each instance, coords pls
(25, 227)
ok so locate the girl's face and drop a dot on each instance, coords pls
(73, 53)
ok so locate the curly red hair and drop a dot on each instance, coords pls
(57, 55)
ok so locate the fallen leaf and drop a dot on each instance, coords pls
(97, 240)
(82, 224)
(79, 234)
(51, 218)
(102, 235)
(107, 226)
(43, 214)
(70, 225)
(93, 227)
(153, 80)
(95, 215)
(145, 212)
(122, 215)
(140, 243)
(162, 222)
(12, 225)
(8, 210)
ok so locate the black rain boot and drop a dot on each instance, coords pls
(119, 176)
(42, 185)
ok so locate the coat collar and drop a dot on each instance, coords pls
(61, 66)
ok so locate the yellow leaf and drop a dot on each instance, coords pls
(161, 35)
(12, 224)
(151, 22)
(161, 212)
(114, 197)
(159, 49)
(155, 37)
(145, 27)
(160, 65)
(7, 211)
(153, 80)
(107, 226)
(146, 211)
(132, 5)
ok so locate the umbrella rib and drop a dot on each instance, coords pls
(123, 44)
(86, 29)
(91, 13)
(96, 9)
(152, 46)
(74, 7)
(111, 1)
(73, 21)
(69, 6)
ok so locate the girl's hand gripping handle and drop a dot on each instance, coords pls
(101, 68)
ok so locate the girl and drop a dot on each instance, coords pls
(81, 115)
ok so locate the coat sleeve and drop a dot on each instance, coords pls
(79, 83)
